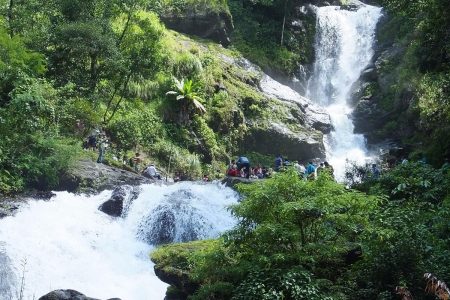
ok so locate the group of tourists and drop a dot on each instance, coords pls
(242, 168)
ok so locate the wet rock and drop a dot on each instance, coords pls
(67, 295)
(43, 195)
(176, 220)
(163, 228)
(230, 181)
(89, 176)
(9, 206)
(120, 201)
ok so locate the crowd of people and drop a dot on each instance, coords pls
(242, 168)
(98, 141)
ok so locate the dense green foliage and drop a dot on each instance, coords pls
(300, 240)
(84, 65)
(416, 76)
(260, 35)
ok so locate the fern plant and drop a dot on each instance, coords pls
(189, 99)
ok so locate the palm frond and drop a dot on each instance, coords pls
(199, 106)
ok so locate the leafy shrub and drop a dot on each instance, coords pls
(288, 230)
(408, 233)
(181, 159)
(137, 126)
(295, 283)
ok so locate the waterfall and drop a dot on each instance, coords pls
(344, 47)
(67, 242)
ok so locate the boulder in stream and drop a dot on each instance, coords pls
(68, 295)
(120, 199)
(175, 220)
(91, 177)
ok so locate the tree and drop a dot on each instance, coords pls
(141, 55)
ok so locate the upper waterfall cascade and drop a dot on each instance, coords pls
(344, 47)
(68, 243)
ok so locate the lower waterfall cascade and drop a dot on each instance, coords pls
(67, 243)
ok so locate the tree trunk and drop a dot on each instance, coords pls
(284, 23)
(116, 107)
(127, 24)
(11, 18)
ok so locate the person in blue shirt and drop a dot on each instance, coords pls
(278, 162)
(310, 170)
(244, 163)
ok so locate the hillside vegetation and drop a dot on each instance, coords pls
(68, 67)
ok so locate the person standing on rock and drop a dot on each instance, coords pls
(102, 148)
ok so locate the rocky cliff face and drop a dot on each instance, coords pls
(286, 122)
(208, 24)
(382, 103)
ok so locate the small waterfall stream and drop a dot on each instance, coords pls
(344, 47)
(67, 242)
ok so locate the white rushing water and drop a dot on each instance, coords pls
(344, 47)
(67, 243)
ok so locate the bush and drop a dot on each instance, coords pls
(408, 233)
(290, 241)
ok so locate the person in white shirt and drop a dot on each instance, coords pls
(151, 172)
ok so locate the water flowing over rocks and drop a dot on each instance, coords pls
(7, 278)
(174, 220)
(103, 257)
(344, 50)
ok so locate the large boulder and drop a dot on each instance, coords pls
(68, 295)
(89, 176)
(278, 138)
(121, 197)
(293, 126)
(308, 113)
(205, 23)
